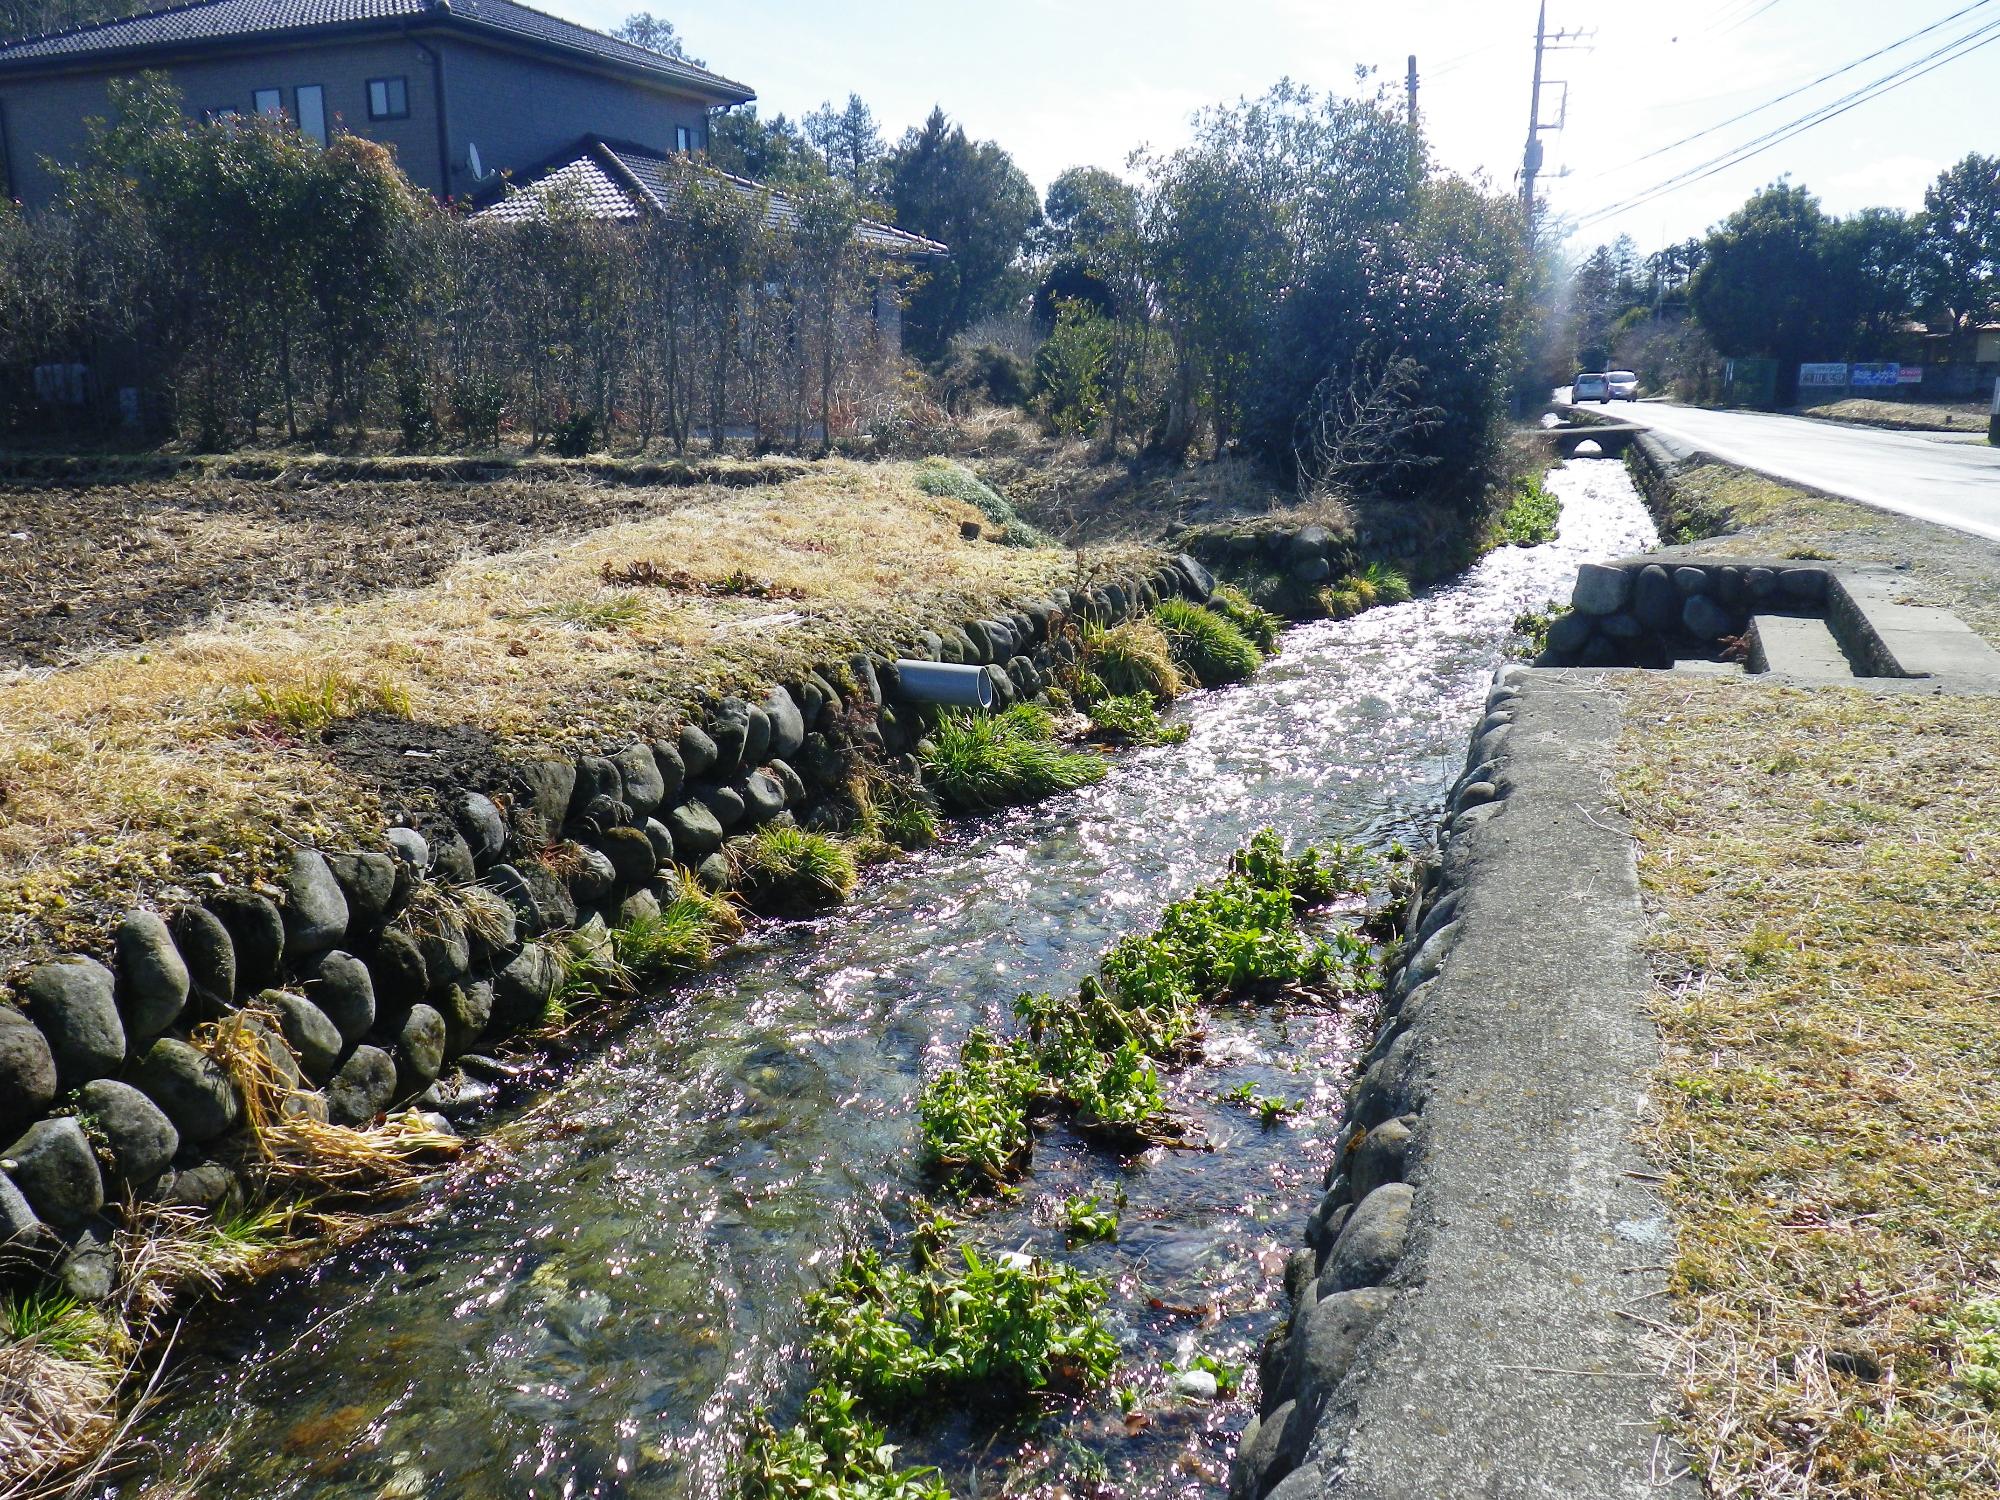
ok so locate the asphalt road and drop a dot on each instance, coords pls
(1952, 481)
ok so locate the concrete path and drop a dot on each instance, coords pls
(1514, 1362)
(1950, 482)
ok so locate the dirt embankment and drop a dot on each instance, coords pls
(112, 561)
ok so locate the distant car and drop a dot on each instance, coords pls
(1591, 388)
(1624, 386)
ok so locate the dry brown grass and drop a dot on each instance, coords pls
(287, 1144)
(121, 775)
(1905, 416)
(1819, 871)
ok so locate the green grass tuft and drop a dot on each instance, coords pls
(305, 709)
(979, 762)
(1132, 660)
(1388, 585)
(1205, 644)
(786, 870)
(1258, 623)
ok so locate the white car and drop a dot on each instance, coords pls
(1590, 388)
(1624, 386)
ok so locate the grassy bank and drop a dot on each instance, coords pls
(1818, 872)
(1902, 416)
(129, 769)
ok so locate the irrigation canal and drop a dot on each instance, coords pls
(595, 1310)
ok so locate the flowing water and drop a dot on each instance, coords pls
(593, 1311)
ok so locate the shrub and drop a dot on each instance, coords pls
(940, 476)
(478, 406)
(1005, 1328)
(789, 871)
(1133, 720)
(1000, 375)
(1133, 659)
(979, 762)
(1259, 624)
(1205, 643)
(415, 416)
(574, 435)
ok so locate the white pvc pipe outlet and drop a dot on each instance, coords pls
(946, 682)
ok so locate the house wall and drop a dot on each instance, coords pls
(45, 116)
(520, 110)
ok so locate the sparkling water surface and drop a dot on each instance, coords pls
(594, 1307)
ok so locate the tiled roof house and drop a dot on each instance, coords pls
(467, 92)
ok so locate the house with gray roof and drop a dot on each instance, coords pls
(463, 91)
(619, 181)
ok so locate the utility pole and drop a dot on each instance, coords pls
(1531, 158)
(1411, 86)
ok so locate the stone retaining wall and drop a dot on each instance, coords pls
(1642, 612)
(385, 971)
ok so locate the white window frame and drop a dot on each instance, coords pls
(314, 128)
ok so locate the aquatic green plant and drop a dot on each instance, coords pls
(974, 1117)
(1000, 1328)
(1096, 1055)
(1270, 1108)
(1259, 624)
(832, 1453)
(1532, 516)
(1533, 628)
(1206, 644)
(978, 762)
(784, 869)
(1086, 1218)
(1133, 720)
(1133, 659)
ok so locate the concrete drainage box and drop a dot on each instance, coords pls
(1800, 620)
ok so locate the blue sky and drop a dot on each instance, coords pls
(1085, 82)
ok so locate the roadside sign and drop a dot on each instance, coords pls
(1910, 375)
(1876, 375)
(1822, 377)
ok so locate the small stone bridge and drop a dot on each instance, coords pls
(1611, 436)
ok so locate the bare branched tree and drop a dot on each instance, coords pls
(1365, 426)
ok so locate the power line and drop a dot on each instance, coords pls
(1984, 37)
(1739, 25)
(1794, 93)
